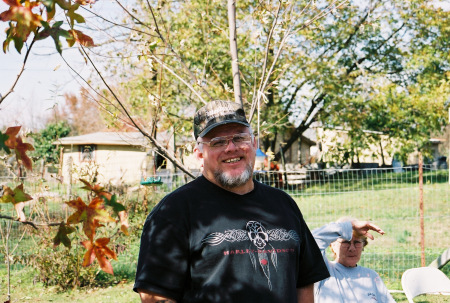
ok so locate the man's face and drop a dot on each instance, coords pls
(348, 255)
(229, 166)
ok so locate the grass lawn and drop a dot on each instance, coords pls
(25, 291)
(392, 205)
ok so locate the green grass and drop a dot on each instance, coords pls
(390, 200)
(25, 291)
(396, 211)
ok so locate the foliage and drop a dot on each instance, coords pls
(63, 268)
(37, 17)
(12, 140)
(90, 216)
(43, 141)
(378, 66)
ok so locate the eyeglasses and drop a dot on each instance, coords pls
(238, 140)
(347, 244)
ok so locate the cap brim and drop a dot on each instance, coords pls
(210, 127)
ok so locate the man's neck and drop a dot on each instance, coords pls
(240, 190)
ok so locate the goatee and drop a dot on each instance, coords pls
(227, 181)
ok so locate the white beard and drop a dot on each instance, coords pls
(227, 181)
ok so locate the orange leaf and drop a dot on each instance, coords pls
(99, 250)
(26, 20)
(90, 215)
(79, 37)
(89, 256)
(85, 2)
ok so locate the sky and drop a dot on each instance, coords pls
(45, 80)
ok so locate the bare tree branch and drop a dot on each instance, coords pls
(21, 70)
(163, 151)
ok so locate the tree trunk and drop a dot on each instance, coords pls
(234, 52)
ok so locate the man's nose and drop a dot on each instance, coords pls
(232, 146)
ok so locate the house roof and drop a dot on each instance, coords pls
(105, 138)
(120, 138)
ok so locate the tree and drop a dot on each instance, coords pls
(363, 66)
(301, 62)
(81, 112)
(43, 141)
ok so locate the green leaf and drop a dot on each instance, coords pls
(3, 138)
(117, 207)
(61, 236)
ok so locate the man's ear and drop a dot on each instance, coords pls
(198, 153)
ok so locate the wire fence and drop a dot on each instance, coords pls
(389, 197)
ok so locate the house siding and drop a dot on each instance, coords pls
(115, 164)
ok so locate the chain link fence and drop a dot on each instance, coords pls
(389, 197)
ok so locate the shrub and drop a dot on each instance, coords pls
(62, 268)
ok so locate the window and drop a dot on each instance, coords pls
(87, 153)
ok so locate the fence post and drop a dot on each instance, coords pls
(421, 211)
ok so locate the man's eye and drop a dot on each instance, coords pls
(238, 138)
(217, 143)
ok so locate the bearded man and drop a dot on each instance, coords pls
(225, 237)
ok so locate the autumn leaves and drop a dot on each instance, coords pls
(91, 216)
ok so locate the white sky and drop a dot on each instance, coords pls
(45, 80)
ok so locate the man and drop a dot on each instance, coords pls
(225, 237)
(348, 282)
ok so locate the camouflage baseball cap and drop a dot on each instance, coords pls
(217, 113)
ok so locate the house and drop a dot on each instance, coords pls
(334, 148)
(116, 157)
(301, 153)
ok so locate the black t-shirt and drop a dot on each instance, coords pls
(202, 243)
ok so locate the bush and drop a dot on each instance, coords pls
(63, 268)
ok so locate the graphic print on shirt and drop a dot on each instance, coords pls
(260, 237)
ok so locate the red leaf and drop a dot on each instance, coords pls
(97, 189)
(21, 153)
(12, 133)
(89, 256)
(90, 215)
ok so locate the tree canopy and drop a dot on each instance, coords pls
(380, 65)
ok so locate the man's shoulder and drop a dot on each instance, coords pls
(186, 189)
(267, 189)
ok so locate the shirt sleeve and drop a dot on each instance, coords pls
(329, 233)
(163, 258)
(312, 267)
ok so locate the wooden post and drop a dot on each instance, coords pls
(421, 210)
